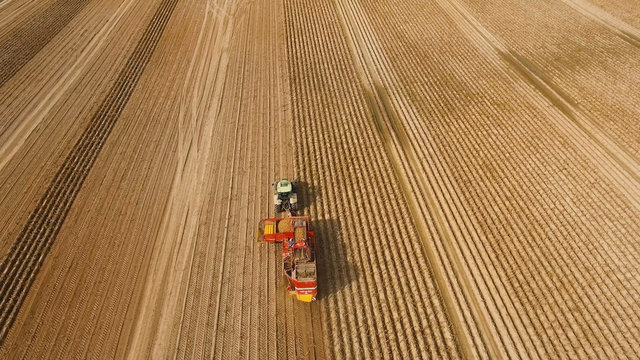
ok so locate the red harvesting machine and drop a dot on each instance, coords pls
(298, 253)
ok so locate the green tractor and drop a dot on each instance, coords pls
(285, 197)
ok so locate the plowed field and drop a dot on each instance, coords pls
(471, 170)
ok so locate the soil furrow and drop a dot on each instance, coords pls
(471, 171)
(625, 31)
(418, 74)
(391, 136)
(23, 43)
(68, 180)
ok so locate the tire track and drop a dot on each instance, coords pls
(235, 334)
(19, 268)
(254, 326)
(225, 292)
(257, 334)
(179, 288)
(213, 40)
(250, 304)
(25, 42)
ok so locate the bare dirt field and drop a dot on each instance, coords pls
(471, 170)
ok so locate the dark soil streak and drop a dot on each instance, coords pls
(20, 267)
(25, 42)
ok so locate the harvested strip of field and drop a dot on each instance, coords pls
(471, 172)
(341, 150)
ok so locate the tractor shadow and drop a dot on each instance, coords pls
(335, 271)
(307, 195)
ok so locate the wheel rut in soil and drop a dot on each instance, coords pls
(25, 42)
(19, 268)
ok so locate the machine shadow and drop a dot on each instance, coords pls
(334, 269)
(307, 194)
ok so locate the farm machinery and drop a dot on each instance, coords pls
(298, 253)
(285, 196)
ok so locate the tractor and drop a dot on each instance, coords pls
(285, 197)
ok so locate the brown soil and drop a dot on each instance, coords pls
(471, 171)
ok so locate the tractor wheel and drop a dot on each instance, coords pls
(294, 206)
(277, 208)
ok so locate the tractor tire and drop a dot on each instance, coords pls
(293, 207)
(277, 208)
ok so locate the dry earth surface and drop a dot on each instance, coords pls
(471, 169)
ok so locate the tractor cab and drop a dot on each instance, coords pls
(284, 189)
(285, 197)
